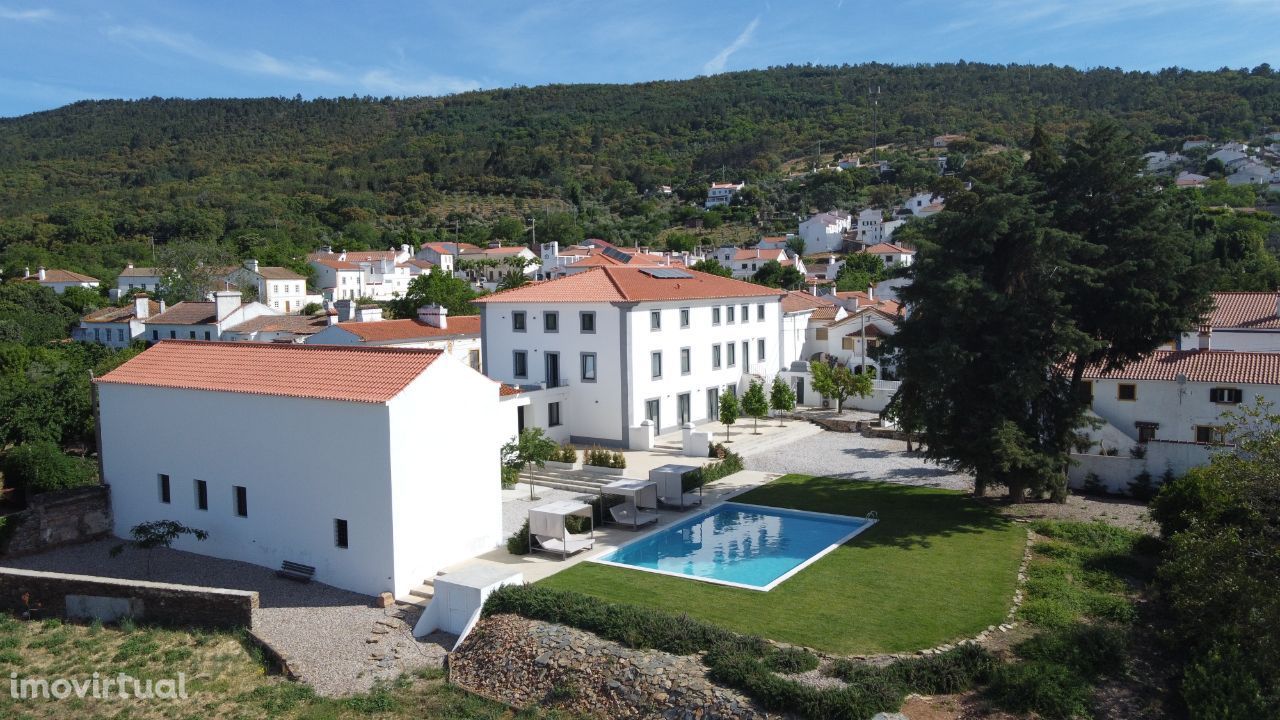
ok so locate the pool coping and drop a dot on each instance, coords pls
(867, 522)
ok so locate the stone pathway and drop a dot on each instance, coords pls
(855, 457)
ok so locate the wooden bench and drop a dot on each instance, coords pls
(296, 571)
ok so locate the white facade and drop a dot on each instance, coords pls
(622, 347)
(203, 320)
(136, 278)
(824, 232)
(874, 229)
(1175, 409)
(117, 327)
(923, 204)
(379, 275)
(278, 288)
(417, 487)
(59, 280)
(459, 338)
(722, 194)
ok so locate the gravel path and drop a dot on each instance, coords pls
(856, 457)
(324, 631)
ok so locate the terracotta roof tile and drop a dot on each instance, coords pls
(323, 372)
(1223, 366)
(508, 390)
(625, 284)
(412, 329)
(59, 276)
(279, 273)
(888, 249)
(799, 301)
(296, 324)
(186, 313)
(118, 314)
(141, 272)
(1255, 310)
(335, 263)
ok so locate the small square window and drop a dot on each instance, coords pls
(1210, 434)
(655, 319)
(587, 322)
(164, 489)
(684, 317)
(1126, 391)
(553, 414)
(242, 500)
(518, 321)
(551, 322)
(340, 533)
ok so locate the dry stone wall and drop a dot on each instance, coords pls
(58, 518)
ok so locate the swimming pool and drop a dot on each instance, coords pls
(746, 546)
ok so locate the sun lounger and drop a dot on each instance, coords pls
(568, 546)
(628, 514)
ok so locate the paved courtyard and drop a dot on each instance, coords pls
(856, 457)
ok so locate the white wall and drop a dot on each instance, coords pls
(1115, 472)
(1227, 339)
(304, 463)
(446, 502)
(1161, 401)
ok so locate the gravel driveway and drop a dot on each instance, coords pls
(854, 456)
(335, 639)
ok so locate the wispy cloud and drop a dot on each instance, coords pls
(34, 15)
(381, 81)
(717, 63)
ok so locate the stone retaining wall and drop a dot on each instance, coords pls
(529, 663)
(88, 596)
(58, 518)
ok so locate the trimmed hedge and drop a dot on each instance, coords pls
(745, 661)
(711, 472)
(599, 457)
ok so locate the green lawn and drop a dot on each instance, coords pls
(937, 567)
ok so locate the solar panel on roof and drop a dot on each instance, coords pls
(666, 273)
(616, 254)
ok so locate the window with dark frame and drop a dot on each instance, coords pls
(1126, 391)
(202, 495)
(518, 321)
(655, 319)
(340, 533)
(655, 363)
(242, 501)
(587, 321)
(588, 367)
(1210, 434)
(715, 316)
(1146, 431)
(553, 414)
(520, 364)
(684, 317)
(551, 322)
(686, 364)
(164, 489)
(1226, 396)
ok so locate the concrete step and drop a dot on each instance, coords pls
(414, 600)
(425, 592)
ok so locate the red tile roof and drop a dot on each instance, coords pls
(1254, 310)
(598, 259)
(278, 273)
(296, 324)
(506, 390)
(800, 301)
(886, 306)
(507, 250)
(335, 263)
(141, 272)
(415, 262)
(888, 249)
(54, 275)
(323, 372)
(118, 314)
(628, 284)
(186, 313)
(1222, 366)
(412, 329)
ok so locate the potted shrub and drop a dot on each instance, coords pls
(565, 458)
(604, 462)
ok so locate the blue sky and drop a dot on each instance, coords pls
(52, 53)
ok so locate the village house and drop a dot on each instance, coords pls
(825, 232)
(391, 471)
(891, 254)
(118, 327)
(146, 279)
(1238, 321)
(745, 262)
(375, 274)
(278, 288)
(58, 280)
(486, 267)
(277, 328)
(923, 204)
(722, 194)
(203, 320)
(873, 229)
(633, 344)
(459, 336)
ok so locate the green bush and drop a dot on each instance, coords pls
(566, 454)
(1143, 487)
(1093, 485)
(599, 457)
(518, 543)
(1221, 683)
(745, 662)
(694, 479)
(41, 466)
(791, 660)
(1050, 690)
(1091, 651)
(510, 476)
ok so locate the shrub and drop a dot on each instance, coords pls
(1093, 485)
(1220, 683)
(599, 457)
(566, 454)
(1051, 690)
(791, 660)
(518, 543)
(1143, 487)
(1138, 452)
(694, 479)
(510, 476)
(1090, 651)
(41, 466)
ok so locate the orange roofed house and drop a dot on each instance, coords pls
(388, 471)
(600, 352)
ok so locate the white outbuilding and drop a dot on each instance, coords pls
(377, 467)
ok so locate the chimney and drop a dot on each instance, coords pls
(128, 266)
(225, 302)
(330, 314)
(141, 306)
(434, 315)
(369, 313)
(1205, 336)
(342, 255)
(162, 307)
(871, 293)
(42, 273)
(251, 265)
(26, 272)
(346, 310)
(406, 250)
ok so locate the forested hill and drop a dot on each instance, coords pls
(108, 171)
